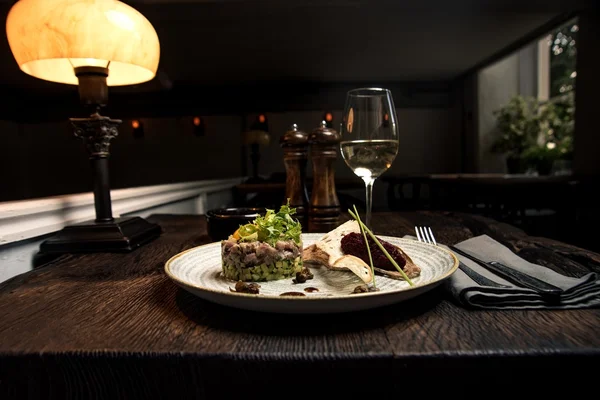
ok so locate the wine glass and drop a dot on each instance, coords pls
(369, 136)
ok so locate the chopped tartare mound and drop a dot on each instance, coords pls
(270, 248)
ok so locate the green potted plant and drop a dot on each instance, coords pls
(541, 158)
(556, 119)
(518, 128)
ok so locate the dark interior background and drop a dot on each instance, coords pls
(240, 56)
(227, 60)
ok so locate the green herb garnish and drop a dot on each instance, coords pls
(355, 216)
(367, 243)
(273, 226)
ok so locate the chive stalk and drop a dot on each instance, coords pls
(381, 247)
(367, 243)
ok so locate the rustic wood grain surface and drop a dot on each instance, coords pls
(114, 326)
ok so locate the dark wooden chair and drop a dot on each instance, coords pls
(540, 205)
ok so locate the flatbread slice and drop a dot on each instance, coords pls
(356, 265)
(331, 242)
(327, 251)
(314, 255)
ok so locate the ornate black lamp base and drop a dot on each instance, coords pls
(105, 234)
(119, 235)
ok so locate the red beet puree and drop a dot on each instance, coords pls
(354, 244)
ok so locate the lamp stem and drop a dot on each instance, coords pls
(97, 131)
(102, 199)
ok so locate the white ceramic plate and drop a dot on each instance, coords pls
(198, 270)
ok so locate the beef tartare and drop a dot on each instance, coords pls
(270, 248)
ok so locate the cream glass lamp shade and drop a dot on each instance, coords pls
(48, 38)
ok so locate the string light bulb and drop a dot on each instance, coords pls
(138, 128)
(328, 118)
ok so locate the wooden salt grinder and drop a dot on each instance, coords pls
(324, 209)
(295, 155)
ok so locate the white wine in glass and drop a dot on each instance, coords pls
(369, 133)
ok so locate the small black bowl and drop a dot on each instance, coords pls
(223, 222)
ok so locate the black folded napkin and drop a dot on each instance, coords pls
(581, 292)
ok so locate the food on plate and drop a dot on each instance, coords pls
(269, 248)
(328, 251)
(354, 244)
(344, 249)
(246, 287)
(303, 276)
(364, 289)
(292, 294)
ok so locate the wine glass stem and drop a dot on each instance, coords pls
(369, 196)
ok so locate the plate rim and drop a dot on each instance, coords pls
(180, 282)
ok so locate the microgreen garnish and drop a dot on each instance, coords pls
(355, 216)
(273, 226)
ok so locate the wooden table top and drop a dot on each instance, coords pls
(115, 326)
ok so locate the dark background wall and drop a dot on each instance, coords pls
(45, 159)
(429, 140)
(294, 60)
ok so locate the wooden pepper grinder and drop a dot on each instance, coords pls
(295, 155)
(324, 210)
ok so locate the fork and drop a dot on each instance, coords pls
(426, 235)
(509, 274)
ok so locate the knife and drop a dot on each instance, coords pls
(478, 278)
(514, 276)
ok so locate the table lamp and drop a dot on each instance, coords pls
(93, 44)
